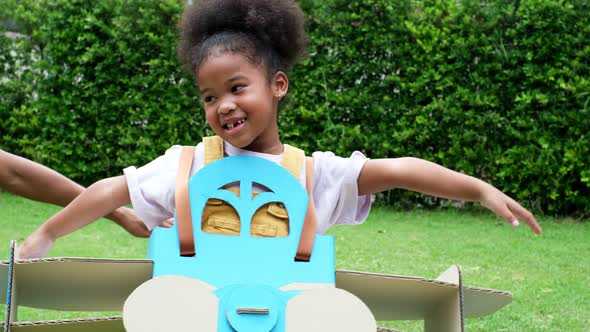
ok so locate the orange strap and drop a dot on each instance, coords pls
(311, 219)
(182, 202)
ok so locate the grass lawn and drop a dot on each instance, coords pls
(548, 275)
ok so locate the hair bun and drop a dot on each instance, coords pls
(276, 23)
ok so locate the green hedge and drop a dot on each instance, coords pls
(105, 90)
(496, 89)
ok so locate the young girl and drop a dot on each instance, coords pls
(240, 53)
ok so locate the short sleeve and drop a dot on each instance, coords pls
(336, 191)
(152, 187)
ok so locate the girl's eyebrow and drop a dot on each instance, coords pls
(232, 79)
(236, 77)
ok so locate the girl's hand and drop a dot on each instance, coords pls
(507, 208)
(130, 221)
(168, 223)
(37, 245)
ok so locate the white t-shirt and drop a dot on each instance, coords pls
(335, 190)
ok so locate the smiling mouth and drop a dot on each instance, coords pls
(233, 127)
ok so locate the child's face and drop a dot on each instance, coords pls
(240, 102)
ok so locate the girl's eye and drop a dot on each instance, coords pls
(236, 88)
(208, 99)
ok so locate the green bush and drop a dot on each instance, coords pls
(104, 90)
(496, 89)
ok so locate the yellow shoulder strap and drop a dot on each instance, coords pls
(292, 157)
(293, 160)
(213, 149)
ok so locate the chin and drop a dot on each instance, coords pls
(238, 142)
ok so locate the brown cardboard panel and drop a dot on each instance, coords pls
(448, 314)
(3, 280)
(77, 284)
(112, 324)
(452, 275)
(11, 305)
(392, 297)
(483, 301)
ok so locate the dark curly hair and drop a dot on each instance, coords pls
(268, 32)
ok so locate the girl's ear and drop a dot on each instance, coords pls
(280, 85)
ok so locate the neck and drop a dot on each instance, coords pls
(271, 145)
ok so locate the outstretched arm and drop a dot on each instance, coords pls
(34, 181)
(98, 200)
(423, 176)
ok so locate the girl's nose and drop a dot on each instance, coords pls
(226, 107)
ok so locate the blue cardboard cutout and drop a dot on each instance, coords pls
(256, 275)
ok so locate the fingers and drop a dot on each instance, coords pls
(525, 215)
(36, 246)
(504, 212)
(510, 210)
(167, 223)
(139, 229)
(142, 231)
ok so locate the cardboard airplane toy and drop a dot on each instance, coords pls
(198, 281)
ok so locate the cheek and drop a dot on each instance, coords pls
(210, 116)
(259, 100)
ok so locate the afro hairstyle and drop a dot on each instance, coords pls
(268, 32)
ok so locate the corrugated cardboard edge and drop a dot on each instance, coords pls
(68, 321)
(455, 275)
(461, 298)
(10, 304)
(100, 324)
(108, 319)
(434, 281)
(78, 259)
(453, 306)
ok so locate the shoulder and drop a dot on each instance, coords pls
(173, 153)
(166, 163)
(326, 160)
(333, 170)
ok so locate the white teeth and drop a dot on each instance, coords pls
(231, 126)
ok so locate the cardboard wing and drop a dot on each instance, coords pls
(75, 284)
(69, 284)
(83, 284)
(109, 324)
(442, 303)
